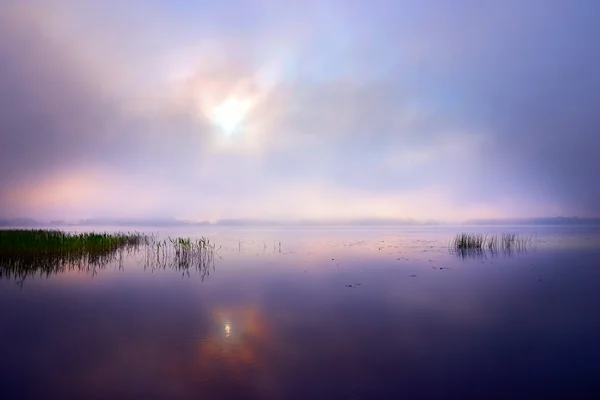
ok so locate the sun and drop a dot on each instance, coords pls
(228, 115)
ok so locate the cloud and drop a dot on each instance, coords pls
(462, 110)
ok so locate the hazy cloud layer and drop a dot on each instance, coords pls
(413, 109)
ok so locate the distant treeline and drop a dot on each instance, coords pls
(537, 221)
(366, 222)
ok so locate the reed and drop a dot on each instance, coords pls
(497, 242)
(468, 241)
(55, 241)
(26, 253)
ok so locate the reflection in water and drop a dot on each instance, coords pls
(236, 356)
(180, 255)
(20, 266)
(483, 254)
(285, 326)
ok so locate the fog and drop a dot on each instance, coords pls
(294, 110)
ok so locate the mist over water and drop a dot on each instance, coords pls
(313, 313)
(197, 121)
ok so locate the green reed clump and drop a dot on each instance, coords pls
(26, 253)
(55, 241)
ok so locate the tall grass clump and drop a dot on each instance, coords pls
(499, 242)
(26, 253)
(55, 241)
(468, 241)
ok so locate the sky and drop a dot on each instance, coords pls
(424, 109)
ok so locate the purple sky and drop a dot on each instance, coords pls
(309, 109)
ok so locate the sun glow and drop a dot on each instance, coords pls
(228, 115)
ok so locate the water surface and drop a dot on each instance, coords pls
(314, 313)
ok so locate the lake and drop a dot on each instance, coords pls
(313, 313)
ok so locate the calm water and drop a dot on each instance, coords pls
(329, 314)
